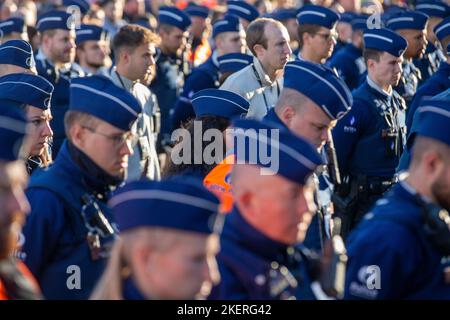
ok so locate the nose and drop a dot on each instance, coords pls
(127, 148)
(47, 131)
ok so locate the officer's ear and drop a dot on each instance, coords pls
(259, 49)
(287, 113)
(76, 134)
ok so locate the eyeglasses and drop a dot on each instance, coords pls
(118, 139)
(328, 36)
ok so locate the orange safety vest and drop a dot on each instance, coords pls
(201, 54)
(27, 274)
(218, 182)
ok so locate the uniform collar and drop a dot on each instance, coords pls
(214, 59)
(377, 88)
(126, 83)
(237, 227)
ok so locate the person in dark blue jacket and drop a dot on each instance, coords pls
(229, 37)
(436, 10)
(412, 26)
(257, 259)
(440, 81)
(398, 251)
(369, 139)
(69, 227)
(349, 62)
(54, 61)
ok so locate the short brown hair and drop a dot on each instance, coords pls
(306, 28)
(371, 54)
(132, 36)
(256, 34)
(71, 117)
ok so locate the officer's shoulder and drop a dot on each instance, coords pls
(240, 79)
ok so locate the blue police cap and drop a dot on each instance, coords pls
(359, 22)
(18, 53)
(442, 30)
(81, 4)
(433, 8)
(282, 14)
(13, 130)
(55, 20)
(178, 203)
(347, 17)
(228, 24)
(312, 14)
(313, 80)
(12, 25)
(242, 10)
(233, 62)
(385, 40)
(174, 17)
(100, 97)
(26, 89)
(197, 11)
(432, 120)
(89, 32)
(216, 102)
(297, 158)
(407, 20)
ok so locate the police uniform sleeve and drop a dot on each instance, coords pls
(347, 133)
(197, 80)
(424, 91)
(381, 263)
(42, 229)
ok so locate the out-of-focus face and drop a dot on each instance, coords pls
(92, 53)
(417, 42)
(182, 269)
(231, 42)
(344, 31)
(387, 71)
(311, 123)
(61, 46)
(106, 145)
(278, 50)
(14, 205)
(441, 187)
(291, 26)
(141, 61)
(173, 40)
(432, 22)
(114, 10)
(322, 42)
(40, 130)
(198, 26)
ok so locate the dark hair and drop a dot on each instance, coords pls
(306, 28)
(202, 169)
(371, 54)
(132, 36)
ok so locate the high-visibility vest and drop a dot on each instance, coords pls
(218, 182)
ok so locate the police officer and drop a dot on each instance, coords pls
(16, 281)
(436, 11)
(229, 37)
(16, 56)
(169, 79)
(257, 259)
(398, 251)
(260, 83)
(31, 93)
(92, 49)
(344, 30)
(199, 47)
(369, 139)
(134, 49)
(161, 256)
(316, 33)
(349, 61)
(69, 227)
(441, 79)
(13, 29)
(411, 26)
(245, 11)
(54, 61)
(306, 111)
